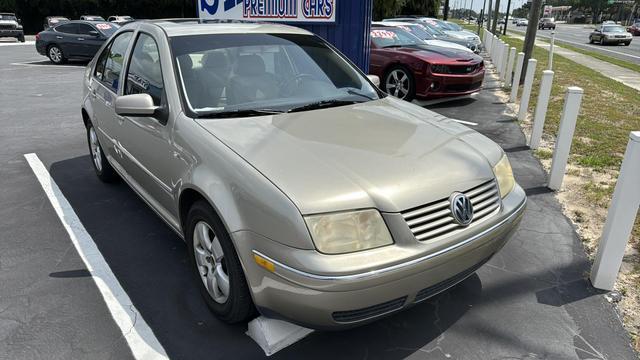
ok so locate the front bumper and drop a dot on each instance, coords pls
(372, 283)
(617, 40)
(11, 33)
(446, 85)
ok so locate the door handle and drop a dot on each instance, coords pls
(59, 37)
(81, 39)
(92, 93)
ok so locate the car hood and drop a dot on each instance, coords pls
(385, 154)
(462, 35)
(440, 54)
(9, 22)
(447, 44)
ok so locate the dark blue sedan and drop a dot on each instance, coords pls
(75, 40)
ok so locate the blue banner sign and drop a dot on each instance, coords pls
(269, 10)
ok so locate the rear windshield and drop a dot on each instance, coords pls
(417, 30)
(106, 28)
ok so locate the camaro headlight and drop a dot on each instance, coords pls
(346, 232)
(504, 175)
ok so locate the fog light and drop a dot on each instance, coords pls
(264, 263)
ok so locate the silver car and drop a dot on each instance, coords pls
(610, 34)
(302, 191)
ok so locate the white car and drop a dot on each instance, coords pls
(418, 30)
(522, 22)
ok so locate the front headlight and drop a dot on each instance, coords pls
(504, 175)
(347, 232)
(19, 27)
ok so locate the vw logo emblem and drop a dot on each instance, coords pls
(461, 209)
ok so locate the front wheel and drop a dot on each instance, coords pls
(101, 165)
(215, 263)
(627, 43)
(21, 38)
(590, 40)
(56, 55)
(602, 41)
(399, 83)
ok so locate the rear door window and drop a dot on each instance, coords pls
(66, 28)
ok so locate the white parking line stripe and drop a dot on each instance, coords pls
(135, 330)
(26, 43)
(465, 122)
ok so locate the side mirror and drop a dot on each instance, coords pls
(135, 105)
(375, 79)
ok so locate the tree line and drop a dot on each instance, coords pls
(388, 8)
(33, 12)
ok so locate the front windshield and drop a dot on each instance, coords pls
(614, 29)
(393, 37)
(455, 27)
(433, 29)
(227, 73)
(7, 17)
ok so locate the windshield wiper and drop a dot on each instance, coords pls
(322, 105)
(393, 46)
(356, 93)
(238, 113)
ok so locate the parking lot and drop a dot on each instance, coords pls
(532, 301)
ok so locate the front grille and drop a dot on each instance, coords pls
(369, 312)
(7, 27)
(433, 220)
(444, 285)
(455, 69)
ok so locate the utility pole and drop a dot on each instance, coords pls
(489, 17)
(495, 17)
(506, 17)
(481, 17)
(445, 13)
(469, 12)
(530, 37)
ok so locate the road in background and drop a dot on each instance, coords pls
(578, 36)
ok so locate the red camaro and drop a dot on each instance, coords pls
(409, 68)
(634, 29)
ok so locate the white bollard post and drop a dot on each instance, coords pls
(496, 63)
(505, 59)
(526, 90)
(572, 101)
(494, 44)
(553, 38)
(515, 85)
(620, 219)
(541, 108)
(509, 71)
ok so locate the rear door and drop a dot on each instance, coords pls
(104, 88)
(65, 37)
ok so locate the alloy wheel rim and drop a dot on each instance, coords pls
(210, 262)
(55, 54)
(96, 153)
(397, 84)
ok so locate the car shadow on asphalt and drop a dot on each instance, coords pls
(69, 63)
(150, 262)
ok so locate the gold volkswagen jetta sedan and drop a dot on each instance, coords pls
(301, 190)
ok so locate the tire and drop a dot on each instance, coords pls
(101, 165)
(55, 54)
(590, 40)
(400, 74)
(627, 43)
(602, 41)
(212, 263)
(21, 38)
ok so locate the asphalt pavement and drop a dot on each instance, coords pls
(531, 301)
(578, 35)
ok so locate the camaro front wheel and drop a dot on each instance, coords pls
(215, 263)
(399, 83)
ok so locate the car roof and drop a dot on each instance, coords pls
(183, 27)
(393, 23)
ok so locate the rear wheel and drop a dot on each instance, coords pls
(56, 55)
(215, 263)
(101, 165)
(399, 83)
(21, 38)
